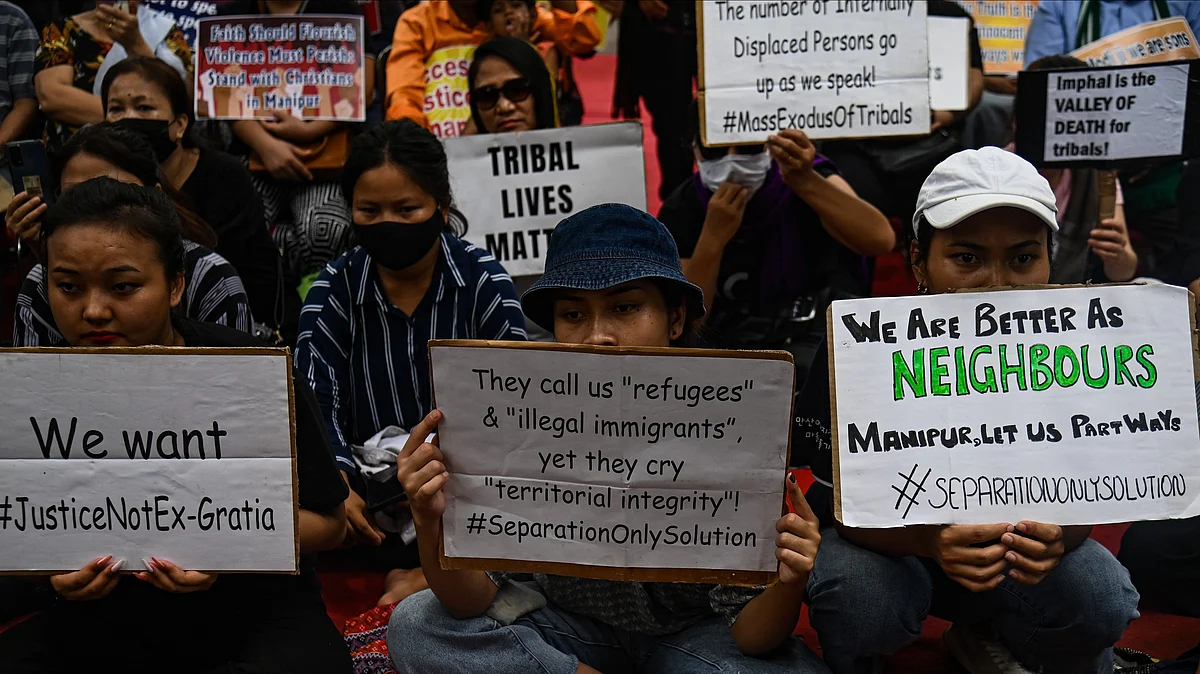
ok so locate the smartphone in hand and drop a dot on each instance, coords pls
(30, 168)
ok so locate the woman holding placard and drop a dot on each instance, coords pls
(368, 317)
(214, 290)
(613, 278)
(1021, 595)
(115, 259)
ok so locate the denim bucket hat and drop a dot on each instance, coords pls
(605, 246)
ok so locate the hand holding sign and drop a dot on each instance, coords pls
(796, 546)
(1035, 549)
(170, 578)
(421, 469)
(957, 550)
(123, 28)
(794, 153)
(94, 581)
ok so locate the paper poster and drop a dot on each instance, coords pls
(616, 461)
(1116, 114)
(447, 96)
(180, 454)
(949, 62)
(252, 67)
(1068, 406)
(836, 69)
(515, 188)
(1154, 42)
(1001, 26)
(186, 14)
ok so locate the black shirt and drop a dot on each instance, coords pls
(222, 193)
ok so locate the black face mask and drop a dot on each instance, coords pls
(154, 131)
(399, 245)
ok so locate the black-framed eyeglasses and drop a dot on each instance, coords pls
(718, 152)
(486, 98)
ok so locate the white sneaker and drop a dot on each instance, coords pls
(980, 652)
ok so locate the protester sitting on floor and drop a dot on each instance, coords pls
(369, 315)
(303, 205)
(511, 91)
(1151, 206)
(213, 292)
(613, 279)
(1087, 249)
(115, 260)
(434, 45)
(147, 97)
(1023, 596)
(773, 234)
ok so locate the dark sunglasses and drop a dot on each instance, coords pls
(718, 152)
(486, 98)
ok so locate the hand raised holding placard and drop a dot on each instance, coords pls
(421, 469)
(93, 581)
(794, 153)
(798, 540)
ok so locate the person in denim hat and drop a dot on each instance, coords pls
(613, 278)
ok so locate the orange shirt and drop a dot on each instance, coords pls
(432, 50)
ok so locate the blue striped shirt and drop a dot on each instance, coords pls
(18, 43)
(368, 362)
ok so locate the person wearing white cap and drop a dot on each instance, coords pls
(1024, 596)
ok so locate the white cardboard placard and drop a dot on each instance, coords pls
(949, 62)
(1124, 113)
(515, 188)
(82, 477)
(572, 456)
(833, 69)
(1084, 413)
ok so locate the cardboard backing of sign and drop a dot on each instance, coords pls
(286, 353)
(833, 422)
(1031, 119)
(644, 575)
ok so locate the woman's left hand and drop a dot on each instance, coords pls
(289, 127)
(794, 153)
(798, 539)
(1034, 550)
(170, 578)
(123, 28)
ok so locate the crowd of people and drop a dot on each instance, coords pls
(164, 229)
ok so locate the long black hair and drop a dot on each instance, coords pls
(526, 59)
(144, 212)
(132, 153)
(414, 150)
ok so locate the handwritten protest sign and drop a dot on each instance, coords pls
(834, 68)
(622, 463)
(1001, 26)
(1154, 42)
(949, 62)
(515, 187)
(308, 66)
(179, 454)
(1103, 116)
(1066, 405)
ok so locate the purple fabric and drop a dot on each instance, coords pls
(774, 215)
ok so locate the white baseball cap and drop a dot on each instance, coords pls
(972, 181)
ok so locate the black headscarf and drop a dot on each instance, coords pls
(526, 59)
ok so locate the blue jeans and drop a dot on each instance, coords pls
(423, 638)
(864, 604)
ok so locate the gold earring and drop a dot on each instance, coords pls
(921, 289)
